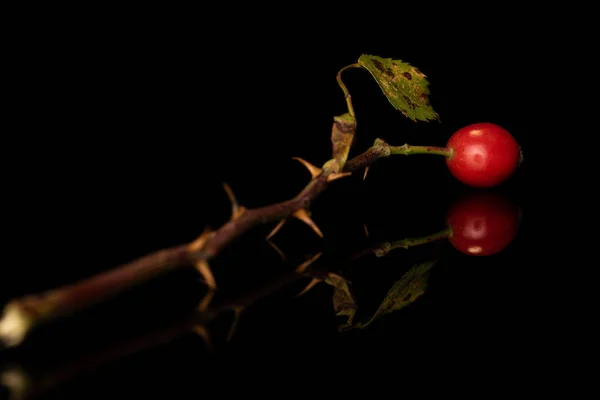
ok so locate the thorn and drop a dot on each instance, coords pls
(234, 324)
(204, 269)
(314, 171)
(366, 172)
(337, 175)
(277, 249)
(230, 194)
(303, 216)
(366, 230)
(310, 285)
(276, 229)
(205, 302)
(236, 209)
(205, 335)
(199, 243)
(302, 267)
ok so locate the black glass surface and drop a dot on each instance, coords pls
(142, 132)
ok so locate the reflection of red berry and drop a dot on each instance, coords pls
(483, 155)
(482, 223)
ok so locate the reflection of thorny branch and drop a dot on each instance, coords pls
(25, 383)
(405, 87)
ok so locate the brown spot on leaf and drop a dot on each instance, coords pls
(407, 75)
(410, 103)
(382, 68)
(379, 65)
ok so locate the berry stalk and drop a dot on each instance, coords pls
(407, 149)
(383, 248)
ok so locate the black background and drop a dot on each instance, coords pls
(127, 126)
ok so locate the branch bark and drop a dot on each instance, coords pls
(22, 314)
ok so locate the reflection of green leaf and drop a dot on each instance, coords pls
(410, 287)
(404, 85)
(343, 299)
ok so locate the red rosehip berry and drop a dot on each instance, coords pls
(483, 155)
(482, 223)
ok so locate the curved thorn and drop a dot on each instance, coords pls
(230, 194)
(366, 172)
(205, 302)
(337, 175)
(236, 209)
(276, 229)
(366, 230)
(310, 285)
(277, 249)
(302, 215)
(302, 267)
(234, 324)
(204, 269)
(314, 171)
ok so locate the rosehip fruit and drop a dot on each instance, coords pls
(482, 223)
(483, 155)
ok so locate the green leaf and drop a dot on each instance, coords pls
(344, 303)
(404, 85)
(402, 293)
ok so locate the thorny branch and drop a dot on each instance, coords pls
(22, 314)
(406, 89)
